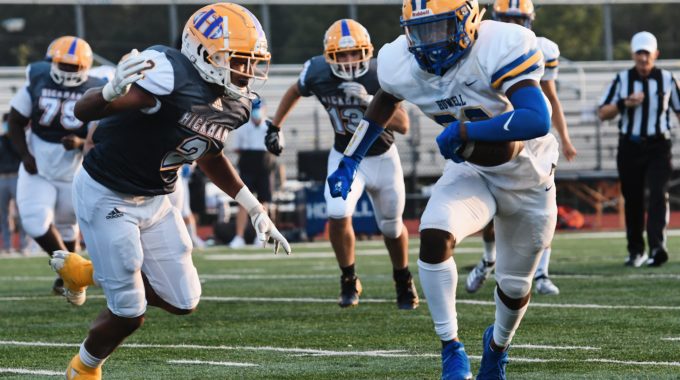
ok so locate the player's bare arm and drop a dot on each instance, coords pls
(385, 109)
(93, 106)
(400, 121)
(222, 173)
(288, 101)
(17, 134)
(558, 120)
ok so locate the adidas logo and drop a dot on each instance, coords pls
(115, 213)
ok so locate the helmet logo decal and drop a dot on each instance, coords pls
(209, 24)
(419, 8)
(72, 48)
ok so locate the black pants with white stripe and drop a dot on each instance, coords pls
(645, 164)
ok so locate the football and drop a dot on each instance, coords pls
(487, 153)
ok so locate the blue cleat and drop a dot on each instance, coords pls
(455, 362)
(493, 363)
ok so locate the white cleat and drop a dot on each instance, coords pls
(546, 287)
(237, 242)
(76, 273)
(478, 275)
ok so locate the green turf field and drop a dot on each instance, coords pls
(275, 317)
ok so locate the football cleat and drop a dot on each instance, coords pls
(58, 287)
(636, 259)
(658, 258)
(77, 275)
(478, 275)
(546, 287)
(350, 290)
(493, 363)
(78, 371)
(455, 362)
(407, 295)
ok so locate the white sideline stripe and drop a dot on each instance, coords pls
(670, 364)
(382, 300)
(671, 338)
(24, 371)
(235, 276)
(226, 364)
(317, 255)
(315, 352)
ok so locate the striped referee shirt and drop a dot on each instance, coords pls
(652, 117)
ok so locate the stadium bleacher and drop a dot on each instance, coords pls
(580, 87)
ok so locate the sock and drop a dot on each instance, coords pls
(439, 285)
(507, 321)
(489, 252)
(401, 275)
(89, 360)
(348, 271)
(542, 270)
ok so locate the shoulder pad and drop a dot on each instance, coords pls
(393, 58)
(160, 79)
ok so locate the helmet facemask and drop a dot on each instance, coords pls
(439, 41)
(350, 69)
(64, 74)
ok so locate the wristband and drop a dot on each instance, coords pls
(246, 199)
(108, 93)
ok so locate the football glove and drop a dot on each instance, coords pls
(449, 142)
(356, 90)
(340, 181)
(264, 227)
(129, 70)
(272, 140)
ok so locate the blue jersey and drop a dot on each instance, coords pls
(52, 104)
(345, 113)
(139, 152)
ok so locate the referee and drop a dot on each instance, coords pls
(644, 96)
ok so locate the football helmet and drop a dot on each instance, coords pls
(440, 32)
(345, 36)
(523, 10)
(74, 51)
(220, 34)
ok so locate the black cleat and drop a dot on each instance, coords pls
(350, 290)
(407, 295)
(659, 257)
(58, 287)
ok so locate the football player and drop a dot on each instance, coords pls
(480, 81)
(53, 151)
(344, 79)
(162, 109)
(521, 12)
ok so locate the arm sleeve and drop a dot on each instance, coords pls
(611, 96)
(303, 85)
(529, 119)
(159, 80)
(513, 58)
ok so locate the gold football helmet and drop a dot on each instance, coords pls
(71, 60)
(348, 37)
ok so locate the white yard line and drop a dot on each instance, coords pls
(382, 300)
(548, 347)
(225, 364)
(318, 255)
(25, 371)
(612, 361)
(671, 338)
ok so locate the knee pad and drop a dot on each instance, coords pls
(391, 228)
(128, 303)
(35, 222)
(513, 286)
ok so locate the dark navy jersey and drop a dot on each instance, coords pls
(52, 104)
(139, 152)
(345, 113)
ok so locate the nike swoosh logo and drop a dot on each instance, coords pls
(471, 83)
(547, 188)
(507, 123)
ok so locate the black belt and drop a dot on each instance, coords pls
(644, 139)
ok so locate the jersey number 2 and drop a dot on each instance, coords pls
(189, 151)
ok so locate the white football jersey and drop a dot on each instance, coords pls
(474, 89)
(551, 56)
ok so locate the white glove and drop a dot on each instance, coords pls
(129, 70)
(356, 90)
(264, 227)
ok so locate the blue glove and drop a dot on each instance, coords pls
(449, 142)
(340, 181)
